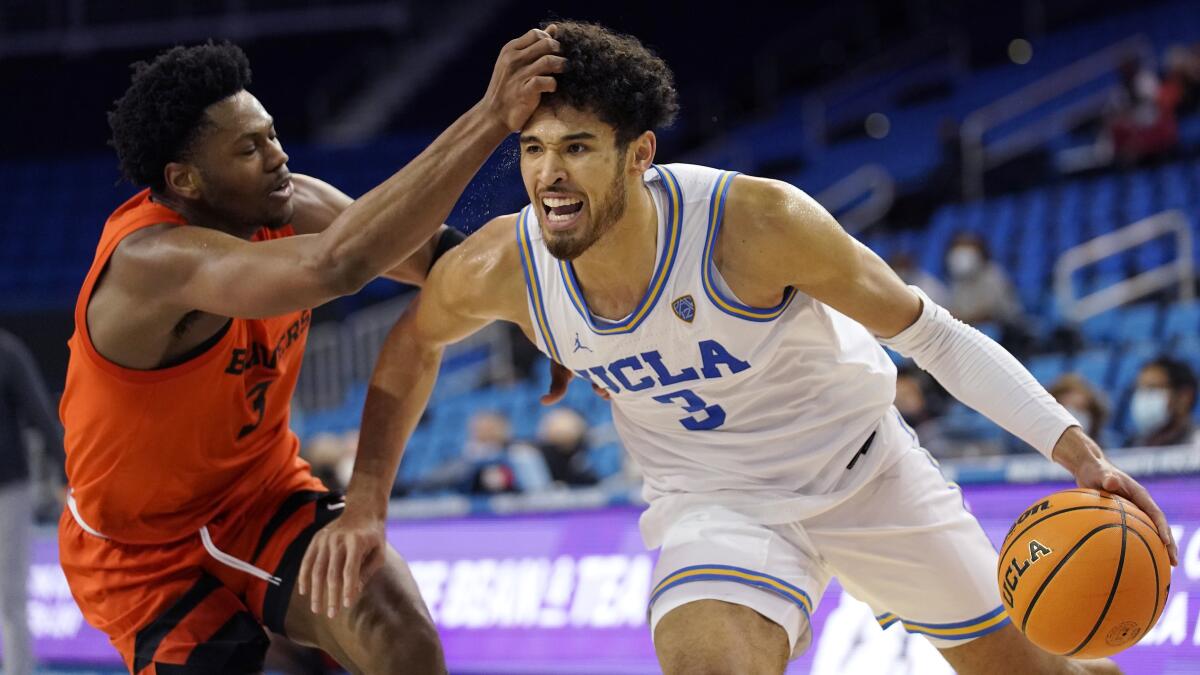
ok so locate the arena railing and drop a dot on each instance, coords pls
(1179, 271)
(979, 154)
(341, 354)
(930, 57)
(401, 73)
(860, 199)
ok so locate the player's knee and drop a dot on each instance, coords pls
(706, 659)
(398, 635)
(713, 637)
(404, 644)
(420, 651)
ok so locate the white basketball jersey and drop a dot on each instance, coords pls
(760, 409)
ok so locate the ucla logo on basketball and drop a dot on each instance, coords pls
(685, 308)
(1015, 570)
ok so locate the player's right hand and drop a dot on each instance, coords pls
(340, 559)
(524, 71)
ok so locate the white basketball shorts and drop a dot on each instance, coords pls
(905, 544)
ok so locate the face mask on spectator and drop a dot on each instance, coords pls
(1148, 409)
(963, 261)
(1083, 417)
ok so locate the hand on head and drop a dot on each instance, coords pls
(524, 71)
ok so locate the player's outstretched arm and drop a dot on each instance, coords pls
(797, 243)
(204, 269)
(471, 286)
(318, 204)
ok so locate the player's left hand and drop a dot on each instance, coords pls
(340, 559)
(1083, 458)
(560, 379)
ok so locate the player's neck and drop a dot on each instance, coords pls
(201, 217)
(615, 271)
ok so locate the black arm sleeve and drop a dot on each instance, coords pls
(450, 238)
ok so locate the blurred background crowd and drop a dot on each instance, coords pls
(1035, 168)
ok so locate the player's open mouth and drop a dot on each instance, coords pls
(284, 190)
(561, 212)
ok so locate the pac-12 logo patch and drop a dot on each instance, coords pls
(685, 308)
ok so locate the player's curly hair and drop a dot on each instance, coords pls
(162, 111)
(616, 77)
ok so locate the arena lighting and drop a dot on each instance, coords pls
(1020, 51)
(877, 125)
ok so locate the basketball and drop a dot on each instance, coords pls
(1083, 573)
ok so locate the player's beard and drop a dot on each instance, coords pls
(571, 245)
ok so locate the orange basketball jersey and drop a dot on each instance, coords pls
(154, 455)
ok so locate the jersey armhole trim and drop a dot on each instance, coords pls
(716, 214)
(533, 285)
(83, 336)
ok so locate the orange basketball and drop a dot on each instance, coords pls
(1083, 573)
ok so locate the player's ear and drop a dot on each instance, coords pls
(641, 151)
(182, 179)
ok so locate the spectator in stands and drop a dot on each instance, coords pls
(562, 440)
(980, 291)
(490, 463)
(921, 408)
(481, 467)
(485, 453)
(1140, 122)
(1181, 83)
(332, 457)
(490, 434)
(1085, 404)
(912, 273)
(24, 403)
(946, 180)
(1162, 403)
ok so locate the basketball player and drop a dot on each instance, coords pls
(734, 326)
(190, 509)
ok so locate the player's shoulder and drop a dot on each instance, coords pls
(774, 229)
(159, 250)
(485, 263)
(489, 250)
(316, 204)
(171, 248)
(764, 207)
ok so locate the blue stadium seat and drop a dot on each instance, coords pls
(990, 329)
(1046, 368)
(1093, 365)
(1137, 322)
(1152, 254)
(1101, 328)
(964, 423)
(1113, 265)
(606, 459)
(1182, 320)
(1129, 361)
(1188, 349)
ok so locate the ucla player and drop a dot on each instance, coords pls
(735, 328)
